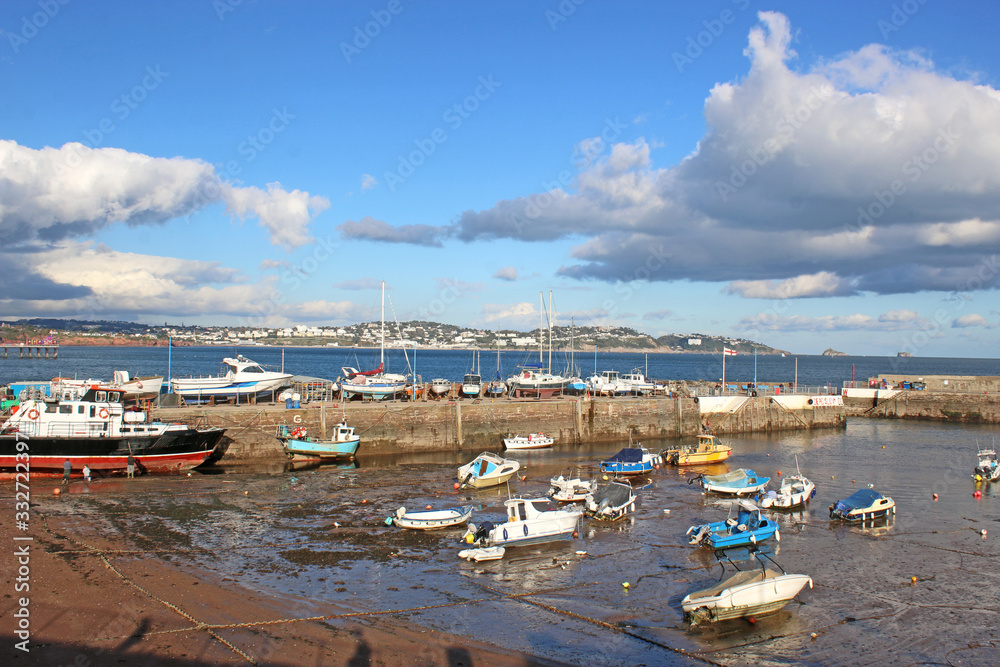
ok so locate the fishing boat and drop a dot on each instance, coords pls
(472, 382)
(707, 449)
(98, 431)
(737, 483)
(573, 490)
(375, 384)
(987, 466)
(631, 461)
(749, 526)
(439, 387)
(241, 379)
(432, 519)
(485, 470)
(637, 382)
(298, 445)
(744, 593)
(863, 505)
(795, 491)
(529, 521)
(610, 502)
(530, 441)
(608, 383)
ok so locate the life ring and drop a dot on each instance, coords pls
(138, 384)
(103, 413)
(32, 413)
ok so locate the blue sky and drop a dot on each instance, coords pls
(808, 175)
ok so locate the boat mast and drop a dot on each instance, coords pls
(541, 340)
(550, 333)
(381, 356)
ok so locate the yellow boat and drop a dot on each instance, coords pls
(707, 449)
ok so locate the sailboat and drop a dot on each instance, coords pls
(574, 383)
(375, 384)
(535, 380)
(472, 383)
(497, 387)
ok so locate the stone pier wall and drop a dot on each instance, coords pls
(479, 425)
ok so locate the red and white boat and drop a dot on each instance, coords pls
(97, 430)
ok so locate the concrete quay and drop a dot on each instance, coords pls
(396, 427)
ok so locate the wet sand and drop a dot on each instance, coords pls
(254, 544)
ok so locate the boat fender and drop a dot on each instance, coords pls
(810, 401)
(696, 400)
(505, 535)
(525, 530)
(777, 535)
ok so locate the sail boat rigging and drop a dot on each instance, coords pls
(375, 384)
(534, 380)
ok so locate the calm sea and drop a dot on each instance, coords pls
(100, 362)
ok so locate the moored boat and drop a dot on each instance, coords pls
(863, 505)
(610, 502)
(749, 526)
(744, 593)
(431, 519)
(631, 460)
(795, 491)
(298, 445)
(987, 466)
(529, 521)
(487, 469)
(439, 387)
(97, 430)
(707, 449)
(573, 490)
(530, 441)
(737, 483)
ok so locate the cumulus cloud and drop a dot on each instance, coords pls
(370, 229)
(515, 315)
(971, 320)
(508, 273)
(368, 182)
(55, 194)
(867, 172)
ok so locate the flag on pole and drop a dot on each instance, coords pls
(726, 350)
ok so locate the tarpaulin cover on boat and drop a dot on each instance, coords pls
(859, 499)
(616, 494)
(628, 455)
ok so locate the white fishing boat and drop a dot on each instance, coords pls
(795, 491)
(530, 441)
(440, 387)
(241, 379)
(472, 382)
(375, 384)
(573, 490)
(431, 519)
(637, 383)
(744, 593)
(135, 388)
(529, 521)
(987, 467)
(487, 469)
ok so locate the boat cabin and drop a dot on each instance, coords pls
(521, 509)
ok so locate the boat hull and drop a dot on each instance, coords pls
(433, 519)
(527, 533)
(172, 451)
(752, 599)
(321, 449)
(202, 391)
(534, 441)
(680, 459)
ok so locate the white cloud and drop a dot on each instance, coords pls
(971, 320)
(514, 315)
(360, 284)
(52, 194)
(508, 273)
(819, 284)
(368, 182)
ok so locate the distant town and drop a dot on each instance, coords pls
(416, 333)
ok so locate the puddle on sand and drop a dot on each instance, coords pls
(321, 533)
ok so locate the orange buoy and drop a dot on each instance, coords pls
(935, 496)
(456, 485)
(779, 473)
(55, 491)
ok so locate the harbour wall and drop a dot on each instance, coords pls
(387, 428)
(946, 406)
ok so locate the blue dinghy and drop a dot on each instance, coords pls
(748, 527)
(631, 461)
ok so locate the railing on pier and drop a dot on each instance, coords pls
(31, 350)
